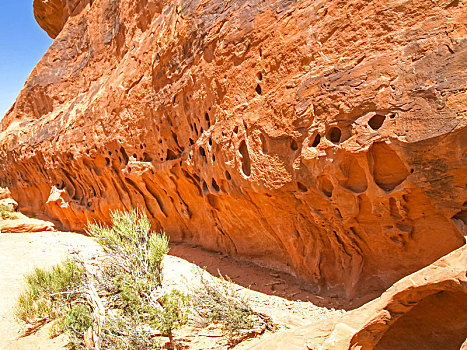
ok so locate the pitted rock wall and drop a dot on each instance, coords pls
(323, 138)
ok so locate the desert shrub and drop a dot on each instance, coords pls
(48, 291)
(135, 250)
(75, 323)
(172, 314)
(7, 211)
(215, 300)
(122, 299)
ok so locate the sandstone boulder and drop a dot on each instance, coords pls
(425, 310)
(323, 138)
(25, 224)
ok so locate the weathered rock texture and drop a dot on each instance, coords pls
(325, 138)
(25, 224)
(426, 310)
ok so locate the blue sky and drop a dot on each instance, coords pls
(22, 45)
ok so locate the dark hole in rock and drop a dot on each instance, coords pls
(171, 155)
(258, 89)
(141, 146)
(207, 120)
(124, 155)
(215, 185)
(213, 157)
(135, 156)
(334, 134)
(205, 188)
(201, 130)
(227, 175)
(235, 130)
(110, 154)
(301, 187)
(294, 145)
(147, 157)
(202, 151)
(107, 161)
(393, 115)
(191, 141)
(316, 141)
(376, 121)
(260, 76)
(196, 129)
(246, 167)
(210, 142)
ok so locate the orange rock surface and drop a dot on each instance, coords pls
(323, 138)
(25, 224)
(426, 310)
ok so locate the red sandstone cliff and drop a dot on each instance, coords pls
(325, 138)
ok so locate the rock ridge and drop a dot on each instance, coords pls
(322, 138)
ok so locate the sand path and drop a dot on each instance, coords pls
(19, 254)
(277, 294)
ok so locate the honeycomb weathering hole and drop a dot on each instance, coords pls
(301, 187)
(388, 169)
(316, 141)
(355, 179)
(376, 121)
(334, 134)
(246, 168)
(294, 145)
(258, 89)
(325, 186)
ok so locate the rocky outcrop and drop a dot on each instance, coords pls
(426, 310)
(24, 224)
(323, 138)
(53, 14)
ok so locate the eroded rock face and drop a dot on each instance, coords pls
(324, 138)
(426, 310)
(53, 14)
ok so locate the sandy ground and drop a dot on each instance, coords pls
(19, 254)
(276, 294)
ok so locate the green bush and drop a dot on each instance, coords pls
(127, 284)
(215, 300)
(7, 211)
(136, 250)
(172, 314)
(79, 319)
(47, 290)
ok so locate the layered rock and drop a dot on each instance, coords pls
(426, 310)
(323, 138)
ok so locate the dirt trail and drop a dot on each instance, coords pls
(275, 294)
